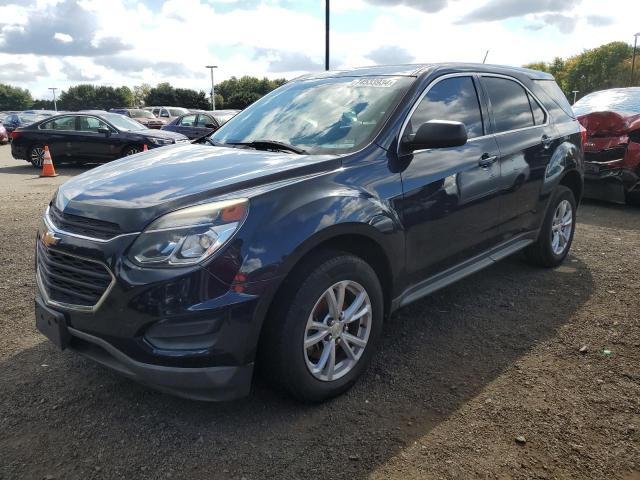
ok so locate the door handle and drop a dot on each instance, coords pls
(487, 160)
(546, 141)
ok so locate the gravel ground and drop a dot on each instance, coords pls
(503, 375)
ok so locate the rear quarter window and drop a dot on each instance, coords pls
(553, 98)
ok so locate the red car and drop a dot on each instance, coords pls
(612, 150)
(4, 137)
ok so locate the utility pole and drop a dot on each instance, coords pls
(55, 105)
(213, 98)
(633, 61)
(485, 57)
(575, 92)
(326, 35)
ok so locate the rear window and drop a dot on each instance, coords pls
(551, 89)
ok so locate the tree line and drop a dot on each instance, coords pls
(607, 66)
(234, 93)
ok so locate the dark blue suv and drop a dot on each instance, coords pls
(286, 238)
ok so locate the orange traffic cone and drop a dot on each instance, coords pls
(144, 149)
(47, 164)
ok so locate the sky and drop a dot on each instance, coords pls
(59, 43)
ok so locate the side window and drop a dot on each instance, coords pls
(164, 113)
(204, 120)
(510, 104)
(188, 120)
(91, 124)
(156, 111)
(454, 99)
(538, 113)
(60, 123)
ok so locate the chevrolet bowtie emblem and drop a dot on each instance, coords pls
(49, 239)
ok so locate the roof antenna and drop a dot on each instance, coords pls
(485, 57)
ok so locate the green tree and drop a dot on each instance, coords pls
(607, 66)
(87, 97)
(14, 98)
(42, 104)
(140, 92)
(240, 92)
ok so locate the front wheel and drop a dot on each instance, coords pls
(36, 156)
(131, 150)
(322, 333)
(556, 234)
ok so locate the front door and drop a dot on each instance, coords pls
(450, 208)
(90, 144)
(525, 139)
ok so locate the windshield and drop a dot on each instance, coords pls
(176, 112)
(617, 99)
(122, 123)
(141, 114)
(327, 115)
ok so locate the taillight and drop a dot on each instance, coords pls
(15, 134)
(583, 135)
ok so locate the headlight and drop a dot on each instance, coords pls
(161, 141)
(190, 235)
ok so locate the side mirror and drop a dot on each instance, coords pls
(104, 130)
(437, 134)
(210, 125)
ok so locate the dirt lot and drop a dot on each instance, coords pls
(461, 375)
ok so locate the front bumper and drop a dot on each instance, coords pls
(182, 331)
(602, 181)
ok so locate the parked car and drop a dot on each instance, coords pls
(145, 117)
(612, 151)
(44, 113)
(15, 120)
(195, 125)
(290, 233)
(4, 136)
(167, 113)
(96, 137)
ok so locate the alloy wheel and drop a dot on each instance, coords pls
(561, 227)
(37, 156)
(131, 151)
(337, 330)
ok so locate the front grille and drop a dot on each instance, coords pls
(88, 227)
(71, 280)
(615, 153)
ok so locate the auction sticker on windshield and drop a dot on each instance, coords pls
(374, 82)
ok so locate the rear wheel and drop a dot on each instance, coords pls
(556, 234)
(323, 331)
(36, 156)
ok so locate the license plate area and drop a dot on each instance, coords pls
(52, 325)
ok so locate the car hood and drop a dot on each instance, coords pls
(149, 132)
(609, 123)
(137, 189)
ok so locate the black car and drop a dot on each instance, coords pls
(17, 120)
(195, 125)
(289, 235)
(98, 137)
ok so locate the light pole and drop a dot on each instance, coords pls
(213, 98)
(575, 92)
(326, 35)
(55, 105)
(633, 60)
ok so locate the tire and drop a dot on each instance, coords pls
(300, 370)
(36, 156)
(131, 150)
(545, 252)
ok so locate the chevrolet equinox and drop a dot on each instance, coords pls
(284, 239)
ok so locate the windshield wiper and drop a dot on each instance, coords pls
(269, 145)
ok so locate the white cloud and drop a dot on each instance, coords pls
(263, 38)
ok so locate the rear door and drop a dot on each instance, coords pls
(525, 139)
(58, 133)
(450, 208)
